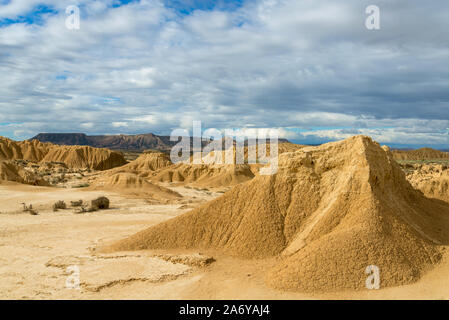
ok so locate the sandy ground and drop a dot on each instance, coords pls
(39, 255)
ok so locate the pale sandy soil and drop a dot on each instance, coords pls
(35, 252)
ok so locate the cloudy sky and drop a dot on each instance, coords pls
(308, 67)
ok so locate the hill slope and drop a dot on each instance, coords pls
(9, 171)
(146, 163)
(132, 184)
(72, 156)
(420, 154)
(432, 180)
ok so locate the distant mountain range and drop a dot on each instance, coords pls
(136, 142)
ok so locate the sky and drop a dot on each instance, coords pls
(309, 68)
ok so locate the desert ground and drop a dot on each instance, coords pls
(38, 251)
(35, 252)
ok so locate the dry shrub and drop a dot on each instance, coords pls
(29, 209)
(59, 205)
(100, 203)
(78, 203)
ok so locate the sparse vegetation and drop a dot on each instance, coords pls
(59, 205)
(29, 209)
(82, 209)
(78, 203)
(81, 185)
(100, 203)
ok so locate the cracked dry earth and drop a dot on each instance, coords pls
(38, 253)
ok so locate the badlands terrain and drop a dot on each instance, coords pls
(216, 231)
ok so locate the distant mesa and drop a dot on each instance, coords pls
(69, 139)
(138, 142)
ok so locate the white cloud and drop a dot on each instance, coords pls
(283, 64)
(87, 125)
(119, 124)
(17, 7)
(397, 136)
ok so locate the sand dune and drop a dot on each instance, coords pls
(329, 212)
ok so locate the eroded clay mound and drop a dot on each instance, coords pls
(132, 184)
(329, 211)
(420, 154)
(72, 156)
(205, 175)
(23, 150)
(85, 157)
(145, 164)
(432, 180)
(9, 171)
(219, 169)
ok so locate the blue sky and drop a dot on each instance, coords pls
(309, 68)
(37, 15)
(189, 6)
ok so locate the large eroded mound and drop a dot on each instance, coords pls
(330, 211)
(85, 157)
(72, 156)
(23, 150)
